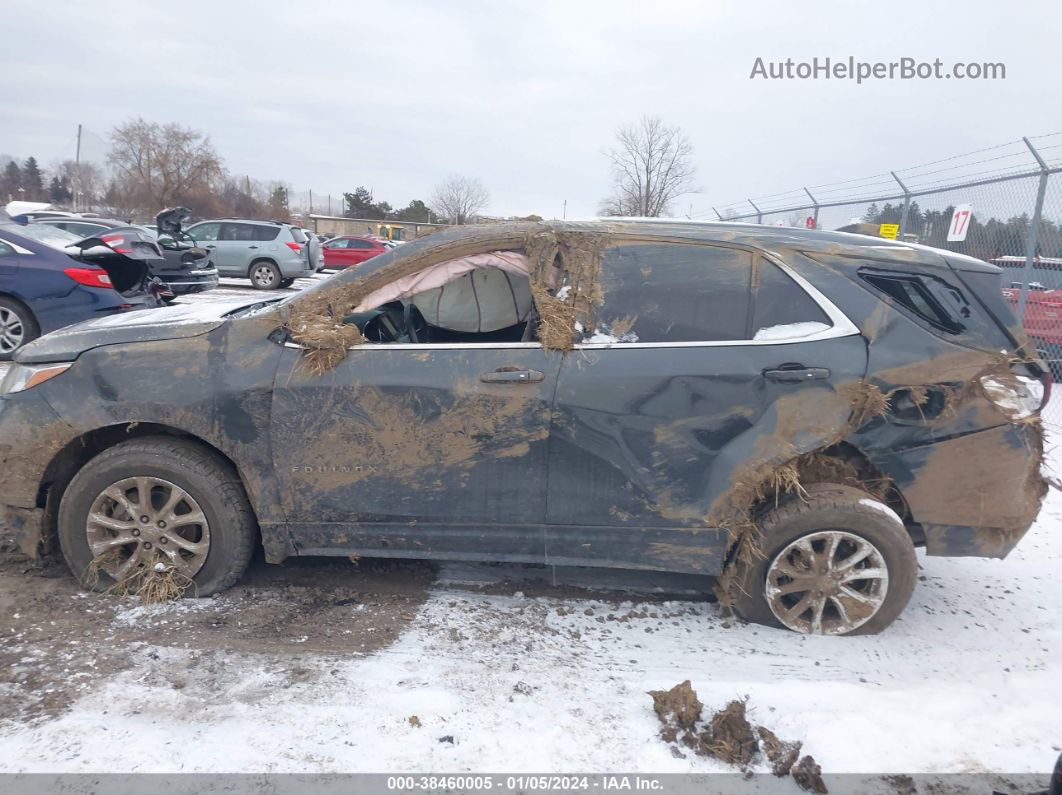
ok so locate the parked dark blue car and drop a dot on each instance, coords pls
(43, 288)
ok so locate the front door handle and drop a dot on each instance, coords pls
(210, 245)
(252, 247)
(795, 373)
(505, 376)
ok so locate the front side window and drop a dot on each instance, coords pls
(204, 232)
(334, 244)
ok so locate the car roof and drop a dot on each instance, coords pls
(799, 239)
(112, 223)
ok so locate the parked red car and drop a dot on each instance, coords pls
(347, 251)
(1043, 303)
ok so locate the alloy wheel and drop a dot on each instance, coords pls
(12, 331)
(140, 521)
(263, 275)
(827, 583)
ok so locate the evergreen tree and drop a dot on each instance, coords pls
(32, 180)
(11, 181)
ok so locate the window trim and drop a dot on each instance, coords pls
(842, 327)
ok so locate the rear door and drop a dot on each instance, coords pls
(703, 358)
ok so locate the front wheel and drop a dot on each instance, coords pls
(157, 505)
(265, 276)
(836, 561)
(286, 282)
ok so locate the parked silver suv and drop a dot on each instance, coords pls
(269, 253)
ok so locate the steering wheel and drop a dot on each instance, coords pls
(415, 325)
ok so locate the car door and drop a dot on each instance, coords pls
(237, 245)
(417, 449)
(703, 359)
(336, 253)
(361, 250)
(206, 235)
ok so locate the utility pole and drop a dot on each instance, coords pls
(564, 213)
(311, 200)
(77, 170)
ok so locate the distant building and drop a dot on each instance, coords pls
(391, 230)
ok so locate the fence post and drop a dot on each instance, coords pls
(759, 215)
(906, 205)
(717, 215)
(1033, 234)
(816, 205)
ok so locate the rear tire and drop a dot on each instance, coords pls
(211, 486)
(812, 555)
(265, 275)
(17, 327)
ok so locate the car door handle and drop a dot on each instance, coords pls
(210, 245)
(252, 247)
(502, 376)
(795, 373)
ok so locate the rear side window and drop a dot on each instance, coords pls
(265, 233)
(667, 292)
(359, 244)
(297, 235)
(933, 300)
(781, 308)
(5, 249)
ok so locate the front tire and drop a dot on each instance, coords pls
(284, 283)
(837, 561)
(17, 327)
(265, 275)
(157, 499)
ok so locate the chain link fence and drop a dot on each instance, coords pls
(1002, 204)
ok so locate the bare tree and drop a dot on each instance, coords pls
(459, 198)
(652, 165)
(161, 164)
(86, 180)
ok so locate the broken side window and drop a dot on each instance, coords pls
(940, 304)
(474, 299)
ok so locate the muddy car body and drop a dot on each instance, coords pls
(790, 411)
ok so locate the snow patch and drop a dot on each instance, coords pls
(791, 331)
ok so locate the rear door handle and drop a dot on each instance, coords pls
(512, 377)
(210, 245)
(795, 373)
(252, 247)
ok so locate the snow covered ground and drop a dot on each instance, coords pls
(968, 680)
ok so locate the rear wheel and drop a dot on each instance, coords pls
(157, 504)
(17, 327)
(265, 275)
(837, 561)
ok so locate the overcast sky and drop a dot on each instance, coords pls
(397, 95)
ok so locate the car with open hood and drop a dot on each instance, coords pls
(789, 412)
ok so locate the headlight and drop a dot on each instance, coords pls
(26, 376)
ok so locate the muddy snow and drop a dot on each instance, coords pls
(322, 666)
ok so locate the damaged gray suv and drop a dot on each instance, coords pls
(790, 411)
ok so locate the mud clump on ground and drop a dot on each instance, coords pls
(780, 754)
(727, 735)
(730, 737)
(808, 775)
(677, 708)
